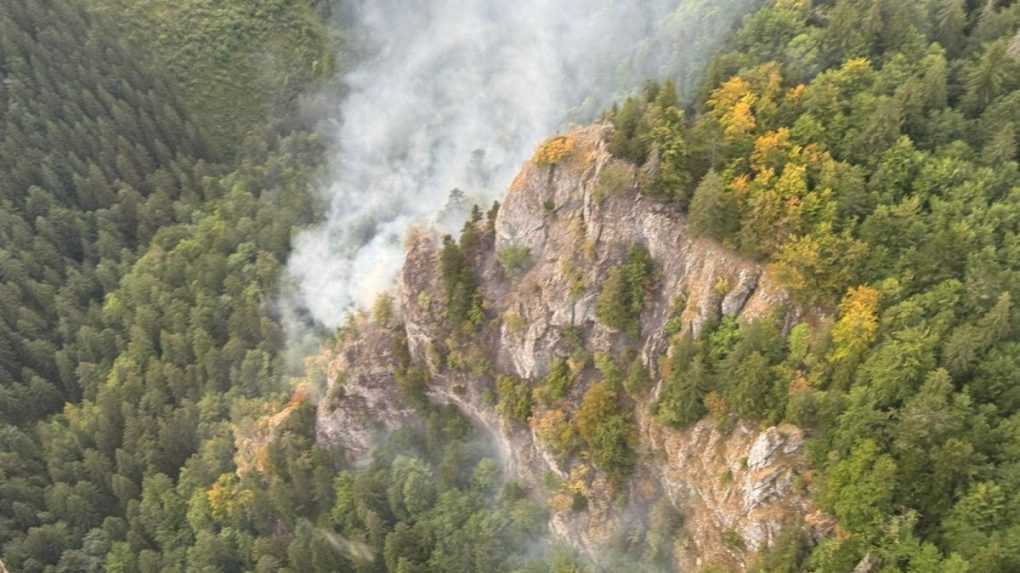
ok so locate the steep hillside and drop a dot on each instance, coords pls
(571, 219)
(858, 163)
(767, 328)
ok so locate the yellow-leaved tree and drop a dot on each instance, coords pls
(857, 325)
(733, 105)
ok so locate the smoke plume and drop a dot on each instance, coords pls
(455, 94)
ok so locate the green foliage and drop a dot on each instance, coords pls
(867, 152)
(514, 259)
(614, 178)
(463, 301)
(557, 382)
(607, 429)
(714, 210)
(238, 63)
(638, 380)
(623, 294)
(647, 548)
(663, 523)
(148, 274)
(396, 510)
(89, 177)
(805, 107)
(413, 382)
(651, 123)
(738, 362)
(630, 134)
(557, 432)
(787, 553)
(859, 489)
(681, 402)
(514, 398)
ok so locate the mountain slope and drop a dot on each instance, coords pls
(864, 153)
(537, 374)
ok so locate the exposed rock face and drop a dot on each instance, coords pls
(362, 398)
(578, 219)
(736, 489)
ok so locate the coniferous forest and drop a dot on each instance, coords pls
(154, 171)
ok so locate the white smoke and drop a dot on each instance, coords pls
(456, 94)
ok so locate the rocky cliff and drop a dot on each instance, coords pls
(570, 216)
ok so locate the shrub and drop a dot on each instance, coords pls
(557, 382)
(622, 298)
(555, 431)
(413, 383)
(688, 380)
(554, 150)
(787, 553)
(749, 388)
(630, 133)
(638, 379)
(682, 402)
(514, 259)
(733, 540)
(382, 310)
(714, 211)
(573, 275)
(607, 430)
(610, 371)
(675, 324)
(515, 323)
(514, 398)
(723, 338)
(663, 522)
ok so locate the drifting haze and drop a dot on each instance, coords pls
(456, 94)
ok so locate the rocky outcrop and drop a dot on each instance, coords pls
(577, 219)
(736, 487)
(363, 399)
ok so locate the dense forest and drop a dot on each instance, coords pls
(867, 150)
(141, 258)
(154, 166)
(136, 269)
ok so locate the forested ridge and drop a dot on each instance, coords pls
(865, 150)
